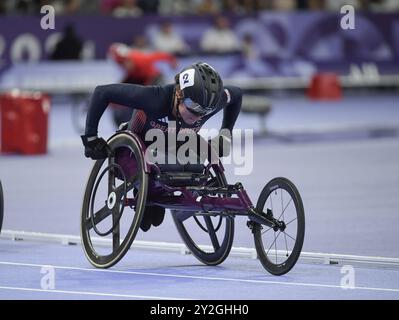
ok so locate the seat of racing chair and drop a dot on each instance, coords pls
(196, 166)
(189, 168)
(177, 174)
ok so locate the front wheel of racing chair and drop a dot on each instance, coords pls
(208, 237)
(278, 249)
(108, 228)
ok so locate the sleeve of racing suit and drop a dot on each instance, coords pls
(232, 108)
(148, 98)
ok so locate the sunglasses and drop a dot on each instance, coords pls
(193, 107)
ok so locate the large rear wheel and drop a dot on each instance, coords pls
(108, 228)
(214, 233)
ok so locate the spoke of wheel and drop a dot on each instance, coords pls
(116, 230)
(290, 221)
(271, 201)
(275, 238)
(115, 213)
(275, 246)
(282, 205)
(119, 191)
(265, 231)
(212, 233)
(99, 216)
(289, 236)
(285, 209)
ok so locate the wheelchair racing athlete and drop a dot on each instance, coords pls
(197, 94)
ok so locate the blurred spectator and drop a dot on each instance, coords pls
(317, 4)
(220, 38)
(140, 68)
(140, 43)
(149, 6)
(107, 6)
(69, 47)
(90, 7)
(252, 64)
(302, 4)
(252, 6)
(168, 40)
(72, 6)
(231, 6)
(287, 4)
(246, 6)
(25, 6)
(250, 50)
(373, 5)
(135, 8)
(127, 8)
(208, 7)
(175, 7)
(260, 5)
(387, 5)
(182, 7)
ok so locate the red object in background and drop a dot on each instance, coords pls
(24, 122)
(325, 86)
(140, 66)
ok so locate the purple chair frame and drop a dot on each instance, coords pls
(235, 201)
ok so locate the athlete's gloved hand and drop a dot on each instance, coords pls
(96, 148)
(222, 144)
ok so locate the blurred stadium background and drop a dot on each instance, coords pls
(322, 100)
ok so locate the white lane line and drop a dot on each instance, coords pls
(312, 257)
(200, 277)
(117, 295)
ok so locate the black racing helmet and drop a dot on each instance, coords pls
(202, 88)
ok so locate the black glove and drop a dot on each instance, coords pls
(96, 148)
(222, 144)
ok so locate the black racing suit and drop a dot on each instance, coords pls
(153, 109)
(157, 104)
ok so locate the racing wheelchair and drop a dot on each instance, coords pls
(202, 203)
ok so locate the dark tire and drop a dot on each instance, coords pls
(1, 206)
(287, 207)
(221, 235)
(120, 232)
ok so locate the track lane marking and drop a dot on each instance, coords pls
(117, 295)
(200, 277)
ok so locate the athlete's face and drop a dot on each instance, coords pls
(188, 117)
